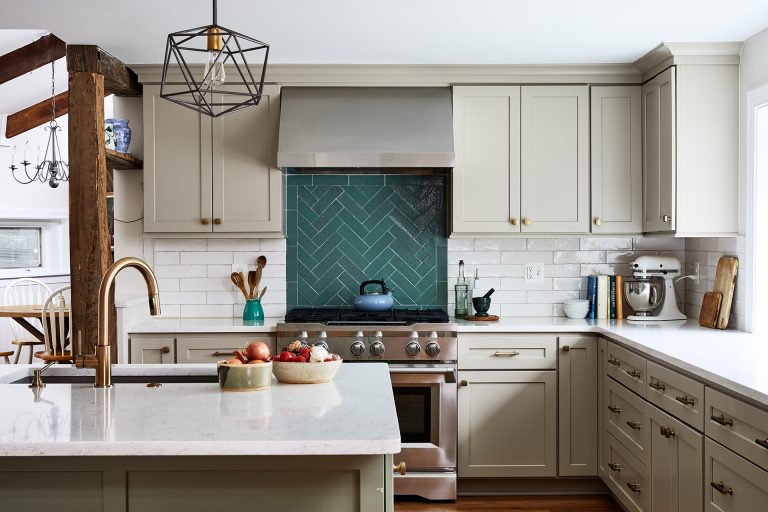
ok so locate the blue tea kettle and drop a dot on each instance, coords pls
(374, 301)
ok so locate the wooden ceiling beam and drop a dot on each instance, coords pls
(30, 57)
(119, 79)
(37, 114)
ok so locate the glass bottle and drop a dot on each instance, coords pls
(461, 290)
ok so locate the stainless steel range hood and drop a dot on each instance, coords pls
(366, 127)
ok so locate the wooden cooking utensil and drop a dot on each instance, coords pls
(261, 262)
(725, 282)
(251, 282)
(710, 309)
(237, 280)
(263, 291)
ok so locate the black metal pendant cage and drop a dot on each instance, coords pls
(197, 92)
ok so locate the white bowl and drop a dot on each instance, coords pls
(305, 373)
(576, 302)
(576, 314)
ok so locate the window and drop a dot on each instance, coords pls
(20, 247)
(757, 210)
(33, 248)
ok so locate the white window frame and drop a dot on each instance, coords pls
(756, 99)
(54, 244)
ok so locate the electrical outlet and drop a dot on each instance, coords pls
(534, 271)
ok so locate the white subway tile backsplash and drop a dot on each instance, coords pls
(209, 311)
(249, 258)
(175, 244)
(233, 244)
(180, 271)
(579, 257)
(461, 244)
(205, 258)
(205, 284)
(181, 298)
(526, 309)
(473, 258)
(569, 283)
(570, 270)
(553, 244)
(273, 244)
(550, 297)
(523, 257)
(228, 297)
(658, 244)
(167, 285)
(166, 258)
(605, 244)
(219, 270)
(499, 244)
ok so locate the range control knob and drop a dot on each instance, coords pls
(303, 336)
(322, 340)
(412, 348)
(357, 349)
(432, 349)
(321, 343)
(377, 349)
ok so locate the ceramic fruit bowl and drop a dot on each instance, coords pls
(305, 373)
(244, 377)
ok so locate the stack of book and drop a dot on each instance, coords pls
(606, 299)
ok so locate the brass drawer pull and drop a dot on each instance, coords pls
(722, 488)
(217, 220)
(598, 221)
(614, 362)
(658, 386)
(513, 221)
(220, 353)
(614, 409)
(685, 400)
(634, 487)
(205, 221)
(667, 432)
(566, 348)
(500, 353)
(615, 467)
(634, 373)
(722, 421)
(166, 350)
(463, 383)
(400, 468)
(634, 425)
(762, 442)
(666, 218)
(527, 222)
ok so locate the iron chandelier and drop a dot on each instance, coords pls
(214, 92)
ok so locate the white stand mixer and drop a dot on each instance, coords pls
(651, 291)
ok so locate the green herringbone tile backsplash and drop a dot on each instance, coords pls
(345, 229)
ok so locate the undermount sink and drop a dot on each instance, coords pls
(123, 379)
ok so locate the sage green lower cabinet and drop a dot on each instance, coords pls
(577, 403)
(153, 349)
(674, 466)
(191, 348)
(601, 407)
(731, 482)
(507, 424)
(196, 484)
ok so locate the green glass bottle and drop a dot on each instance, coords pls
(461, 290)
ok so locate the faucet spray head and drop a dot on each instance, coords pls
(154, 304)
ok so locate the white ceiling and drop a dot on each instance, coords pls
(402, 31)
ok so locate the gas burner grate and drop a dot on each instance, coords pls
(341, 316)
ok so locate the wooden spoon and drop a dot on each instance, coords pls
(251, 282)
(263, 291)
(237, 280)
(261, 262)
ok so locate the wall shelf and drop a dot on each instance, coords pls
(122, 161)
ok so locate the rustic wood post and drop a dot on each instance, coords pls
(89, 244)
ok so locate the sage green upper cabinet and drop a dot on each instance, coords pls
(486, 179)
(522, 159)
(617, 160)
(554, 159)
(204, 175)
(659, 184)
(691, 144)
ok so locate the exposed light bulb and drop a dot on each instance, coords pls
(214, 75)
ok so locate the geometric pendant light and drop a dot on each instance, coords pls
(228, 83)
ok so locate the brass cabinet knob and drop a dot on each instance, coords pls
(566, 348)
(400, 468)
(205, 221)
(513, 221)
(217, 220)
(598, 221)
(527, 222)
(166, 350)
(666, 218)
(463, 383)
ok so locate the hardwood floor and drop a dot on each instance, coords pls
(602, 503)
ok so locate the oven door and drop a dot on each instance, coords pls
(425, 399)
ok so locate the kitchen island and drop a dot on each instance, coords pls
(188, 446)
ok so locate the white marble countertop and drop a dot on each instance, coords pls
(196, 325)
(354, 414)
(731, 360)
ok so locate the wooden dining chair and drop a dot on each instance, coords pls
(24, 291)
(56, 327)
(6, 355)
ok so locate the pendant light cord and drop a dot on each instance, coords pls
(215, 15)
(53, 91)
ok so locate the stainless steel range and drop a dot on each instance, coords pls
(421, 348)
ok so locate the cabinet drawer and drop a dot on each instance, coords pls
(732, 483)
(738, 426)
(209, 349)
(508, 352)
(678, 395)
(627, 477)
(626, 367)
(626, 418)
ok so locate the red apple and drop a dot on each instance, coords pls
(286, 356)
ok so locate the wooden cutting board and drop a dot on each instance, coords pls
(710, 309)
(725, 282)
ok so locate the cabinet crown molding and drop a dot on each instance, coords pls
(667, 54)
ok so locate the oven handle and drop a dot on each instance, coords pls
(451, 374)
